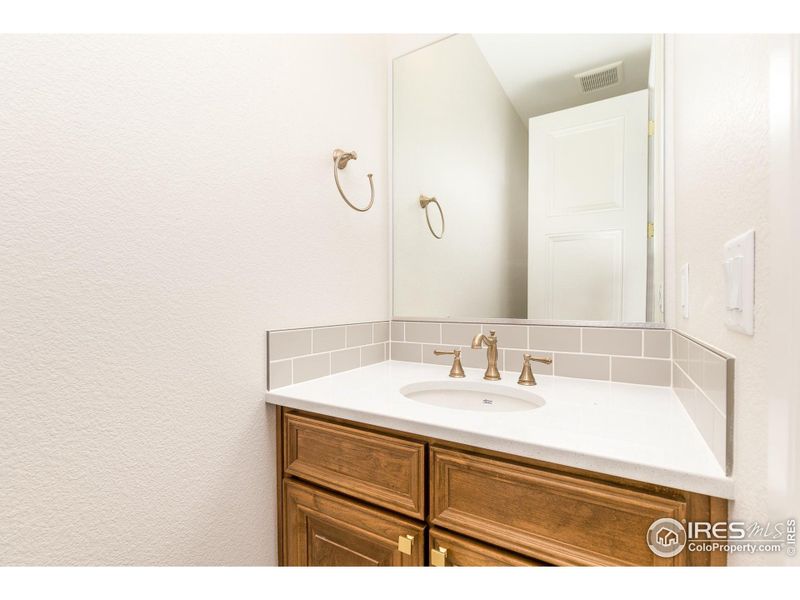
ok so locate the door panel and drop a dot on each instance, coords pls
(323, 529)
(585, 274)
(588, 212)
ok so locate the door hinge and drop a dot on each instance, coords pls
(405, 543)
(651, 230)
(651, 128)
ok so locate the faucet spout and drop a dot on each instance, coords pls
(477, 341)
(492, 374)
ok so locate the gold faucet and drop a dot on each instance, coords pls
(456, 370)
(526, 377)
(492, 374)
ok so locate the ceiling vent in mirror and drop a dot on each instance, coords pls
(600, 77)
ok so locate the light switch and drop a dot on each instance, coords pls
(739, 265)
(685, 290)
(733, 282)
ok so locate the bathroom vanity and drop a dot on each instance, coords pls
(441, 486)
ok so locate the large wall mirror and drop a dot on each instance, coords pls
(528, 178)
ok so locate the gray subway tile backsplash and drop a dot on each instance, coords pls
(312, 366)
(619, 342)
(562, 343)
(559, 339)
(359, 334)
(680, 351)
(398, 331)
(585, 366)
(329, 338)
(380, 332)
(657, 343)
(374, 353)
(715, 379)
(289, 343)
(696, 353)
(702, 378)
(649, 371)
(459, 334)
(406, 351)
(280, 373)
(296, 355)
(345, 360)
(420, 332)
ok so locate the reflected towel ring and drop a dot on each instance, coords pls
(340, 160)
(424, 201)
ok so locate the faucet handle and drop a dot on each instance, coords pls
(542, 359)
(526, 377)
(456, 370)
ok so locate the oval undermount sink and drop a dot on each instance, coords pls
(472, 395)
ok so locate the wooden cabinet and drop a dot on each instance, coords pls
(353, 494)
(327, 530)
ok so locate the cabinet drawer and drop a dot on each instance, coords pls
(327, 530)
(556, 517)
(384, 470)
(457, 551)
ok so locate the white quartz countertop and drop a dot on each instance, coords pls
(635, 431)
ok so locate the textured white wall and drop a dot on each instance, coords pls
(163, 201)
(458, 137)
(721, 139)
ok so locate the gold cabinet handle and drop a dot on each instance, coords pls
(405, 544)
(439, 557)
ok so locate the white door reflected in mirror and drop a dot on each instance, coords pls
(588, 212)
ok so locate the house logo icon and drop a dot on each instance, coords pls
(666, 537)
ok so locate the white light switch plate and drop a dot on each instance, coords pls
(739, 265)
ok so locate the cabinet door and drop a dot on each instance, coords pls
(453, 550)
(326, 530)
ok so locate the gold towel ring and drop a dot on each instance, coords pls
(340, 160)
(424, 201)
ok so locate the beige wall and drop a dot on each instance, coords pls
(721, 142)
(164, 201)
